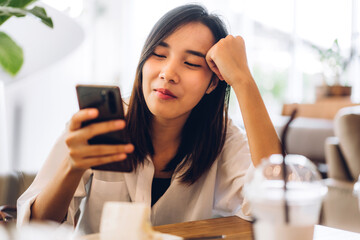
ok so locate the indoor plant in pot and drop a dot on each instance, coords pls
(12, 58)
(334, 66)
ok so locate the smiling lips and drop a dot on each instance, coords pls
(164, 94)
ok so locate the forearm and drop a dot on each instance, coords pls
(53, 202)
(227, 59)
(262, 137)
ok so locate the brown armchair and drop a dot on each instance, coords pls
(342, 154)
(12, 185)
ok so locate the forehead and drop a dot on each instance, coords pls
(194, 35)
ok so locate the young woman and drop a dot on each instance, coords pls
(190, 161)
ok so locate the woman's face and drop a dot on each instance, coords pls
(176, 76)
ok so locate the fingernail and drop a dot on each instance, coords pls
(119, 123)
(92, 112)
(129, 147)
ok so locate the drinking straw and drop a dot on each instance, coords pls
(283, 150)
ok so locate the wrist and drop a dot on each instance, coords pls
(242, 83)
(71, 170)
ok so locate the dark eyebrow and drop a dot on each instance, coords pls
(196, 53)
(192, 52)
(164, 44)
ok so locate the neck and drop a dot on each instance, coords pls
(167, 132)
(166, 137)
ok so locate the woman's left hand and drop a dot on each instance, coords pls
(227, 59)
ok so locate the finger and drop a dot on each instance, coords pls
(95, 161)
(215, 69)
(102, 128)
(81, 116)
(211, 63)
(88, 132)
(100, 150)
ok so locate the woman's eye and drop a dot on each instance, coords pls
(192, 65)
(158, 55)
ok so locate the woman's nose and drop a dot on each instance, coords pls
(169, 72)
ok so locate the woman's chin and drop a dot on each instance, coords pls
(169, 115)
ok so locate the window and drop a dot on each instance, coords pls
(279, 36)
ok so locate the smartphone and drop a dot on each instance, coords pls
(107, 99)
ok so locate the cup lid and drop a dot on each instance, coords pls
(302, 177)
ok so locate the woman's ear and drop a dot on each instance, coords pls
(213, 84)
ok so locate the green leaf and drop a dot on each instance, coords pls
(11, 11)
(41, 13)
(14, 4)
(11, 54)
(19, 12)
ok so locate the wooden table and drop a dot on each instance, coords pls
(237, 228)
(232, 227)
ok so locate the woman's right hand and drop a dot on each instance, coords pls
(83, 155)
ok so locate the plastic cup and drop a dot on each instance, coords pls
(3, 233)
(304, 196)
(123, 220)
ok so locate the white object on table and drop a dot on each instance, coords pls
(328, 233)
(124, 220)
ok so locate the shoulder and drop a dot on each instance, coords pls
(235, 157)
(236, 143)
(234, 132)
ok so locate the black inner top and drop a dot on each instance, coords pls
(159, 187)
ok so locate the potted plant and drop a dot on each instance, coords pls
(11, 54)
(334, 66)
(12, 57)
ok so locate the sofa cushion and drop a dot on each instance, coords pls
(337, 167)
(9, 185)
(347, 129)
(12, 185)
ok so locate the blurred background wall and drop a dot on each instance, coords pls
(283, 39)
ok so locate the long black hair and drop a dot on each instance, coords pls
(204, 132)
